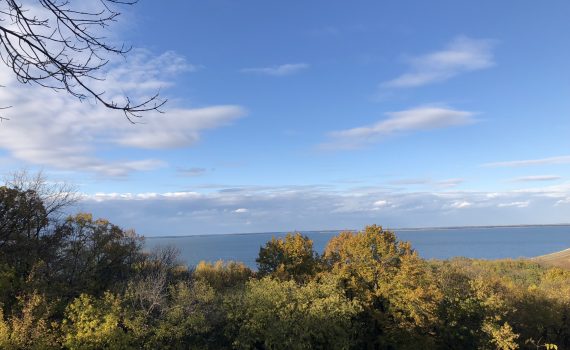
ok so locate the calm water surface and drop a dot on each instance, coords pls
(483, 243)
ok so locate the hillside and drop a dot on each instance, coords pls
(559, 259)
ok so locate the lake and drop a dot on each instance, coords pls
(479, 242)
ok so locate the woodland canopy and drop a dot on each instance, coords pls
(78, 282)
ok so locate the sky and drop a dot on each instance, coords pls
(314, 115)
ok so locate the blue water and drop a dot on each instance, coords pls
(482, 243)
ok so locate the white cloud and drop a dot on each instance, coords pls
(55, 130)
(460, 204)
(282, 70)
(380, 203)
(552, 191)
(536, 178)
(416, 119)
(522, 204)
(460, 55)
(102, 196)
(178, 128)
(530, 162)
(241, 211)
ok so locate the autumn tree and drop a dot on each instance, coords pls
(392, 283)
(97, 323)
(275, 314)
(28, 326)
(223, 275)
(289, 257)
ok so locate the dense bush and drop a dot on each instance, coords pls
(81, 283)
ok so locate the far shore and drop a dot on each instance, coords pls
(402, 229)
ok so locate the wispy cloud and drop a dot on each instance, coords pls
(530, 162)
(522, 204)
(56, 130)
(536, 178)
(446, 183)
(450, 182)
(418, 181)
(416, 119)
(191, 171)
(460, 55)
(279, 71)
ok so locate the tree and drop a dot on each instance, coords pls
(222, 275)
(289, 257)
(56, 197)
(92, 323)
(55, 44)
(148, 289)
(94, 255)
(394, 286)
(22, 214)
(29, 204)
(29, 327)
(30, 208)
(274, 314)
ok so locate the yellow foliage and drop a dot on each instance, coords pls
(291, 257)
(95, 324)
(221, 275)
(30, 329)
(501, 337)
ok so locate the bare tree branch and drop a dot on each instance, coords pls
(62, 50)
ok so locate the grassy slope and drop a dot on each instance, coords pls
(560, 259)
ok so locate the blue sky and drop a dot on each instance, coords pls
(316, 115)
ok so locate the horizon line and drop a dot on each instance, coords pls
(353, 230)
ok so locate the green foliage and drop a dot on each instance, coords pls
(22, 214)
(95, 255)
(276, 314)
(187, 320)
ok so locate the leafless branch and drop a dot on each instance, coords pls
(62, 50)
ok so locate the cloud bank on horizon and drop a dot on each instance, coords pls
(288, 208)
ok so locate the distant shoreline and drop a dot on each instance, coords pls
(403, 229)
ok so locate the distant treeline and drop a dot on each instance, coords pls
(80, 283)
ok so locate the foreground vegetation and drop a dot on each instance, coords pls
(81, 283)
